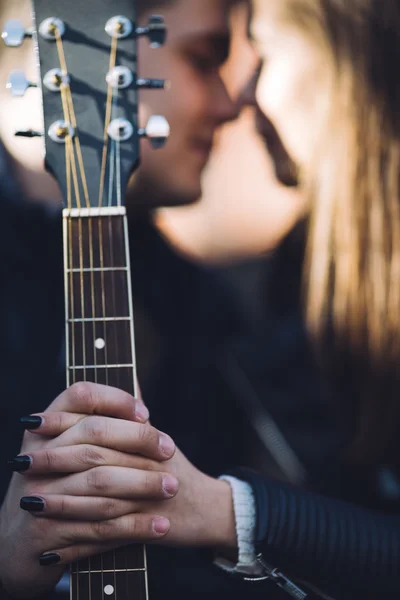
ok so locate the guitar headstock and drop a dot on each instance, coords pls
(87, 61)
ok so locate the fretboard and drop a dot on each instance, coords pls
(101, 349)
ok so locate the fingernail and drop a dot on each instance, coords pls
(20, 463)
(161, 525)
(31, 422)
(31, 504)
(49, 558)
(141, 412)
(170, 485)
(167, 445)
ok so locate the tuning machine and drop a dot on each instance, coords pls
(156, 131)
(152, 84)
(155, 30)
(121, 77)
(14, 33)
(18, 84)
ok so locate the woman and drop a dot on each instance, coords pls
(326, 86)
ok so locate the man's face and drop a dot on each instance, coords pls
(195, 105)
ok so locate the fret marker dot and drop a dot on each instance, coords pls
(100, 344)
(109, 590)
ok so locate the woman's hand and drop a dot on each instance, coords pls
(200, 513)
(82, 486)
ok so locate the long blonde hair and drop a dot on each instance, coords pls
(352, 268)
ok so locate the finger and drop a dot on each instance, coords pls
(95, 399)
(76, 459)
(78, 508)
(51, 424)
(113, 482)
(77, 553)
(124, 436)
(83, 540)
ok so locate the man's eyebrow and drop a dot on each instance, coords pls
(207, 36)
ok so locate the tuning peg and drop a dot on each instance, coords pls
(18, 84)
(14, 33)
(152, 84)
(157, 131)
(28, 133)
(156, 31)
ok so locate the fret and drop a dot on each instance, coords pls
(97, 270)
(81, 367)
(100, 320)
(80, 572)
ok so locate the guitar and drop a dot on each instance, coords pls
(86, 55)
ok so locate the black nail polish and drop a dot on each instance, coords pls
(49, 558)
(31, 422)
(31, 504)
(20, 463)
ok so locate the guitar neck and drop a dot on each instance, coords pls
(98, 299)
(101, 349)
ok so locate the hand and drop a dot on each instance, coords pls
(201, 513)
(85, 474)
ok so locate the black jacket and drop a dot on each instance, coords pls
(194, 338)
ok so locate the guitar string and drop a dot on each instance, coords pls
(106, 143)
(69, 259)
(72, 116)
(93, 300)
(71, 303)
(114, 309)
(69, 117)
(122, 274)
(117, 167)
(111, 163)
(103, 294)
(113, 61)
(111, 183)
(112, 174)
(65, 92)
(70, 147)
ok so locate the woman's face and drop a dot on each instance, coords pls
(292, 86)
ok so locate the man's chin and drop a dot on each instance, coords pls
(147, 194)
(181, 197)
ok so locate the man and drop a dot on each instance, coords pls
(198, 43)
